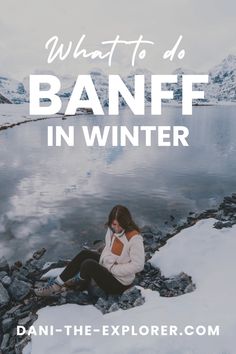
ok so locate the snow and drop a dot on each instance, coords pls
(18, 113)
(52, 273)
(205, 253)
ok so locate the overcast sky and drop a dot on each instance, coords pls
(208, 29)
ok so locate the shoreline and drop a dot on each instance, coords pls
(63, 116)
(20, 306)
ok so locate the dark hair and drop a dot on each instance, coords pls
(124, 218)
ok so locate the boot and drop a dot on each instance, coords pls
(52, 288)
(77, 283)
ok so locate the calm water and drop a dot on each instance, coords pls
(59, 198)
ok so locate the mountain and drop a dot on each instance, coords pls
(101, 83)
(222, 80)
(67, 82)
(177, 87)
(129, 80)
(221, 86)
(13, 90)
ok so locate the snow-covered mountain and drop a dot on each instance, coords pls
(13, 90)
(222, 80)
(177, 88)
(221, 86)
(67, 82)
(101, 83)
(129, 80)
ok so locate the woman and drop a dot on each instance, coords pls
(114, 270)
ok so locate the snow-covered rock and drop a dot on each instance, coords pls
(4, 99)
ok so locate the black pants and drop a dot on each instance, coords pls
(86, 262)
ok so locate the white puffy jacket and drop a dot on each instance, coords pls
(123, 256)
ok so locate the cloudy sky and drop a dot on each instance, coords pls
(208, 29)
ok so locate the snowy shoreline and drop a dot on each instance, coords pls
(200, 241)
(17, 114)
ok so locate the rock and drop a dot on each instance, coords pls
(139, 301)
(130, 298)
(6, 280)
(171, 284)
(38, 254)
(19, 289)
(189, 288)
(27, 321)
(3, 99)
(20, 276)
(147, 236)
(177, 285)
(21, 313)
(35, 264)
(221, 224)
(79, 298)
(98, 245)
(113, 307)
(101, 305)
(13, 310)
(130, 293)
(16, 266)
(147, 266)
(228, 207)
(146, 229)
(2, 275)
(230, 199)
(5, 342)
(4, 297)
(20, 345)
(7, 324)
(151, 278)
(4, 266)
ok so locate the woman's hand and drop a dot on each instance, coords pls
(136, 262)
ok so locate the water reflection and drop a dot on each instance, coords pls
(60, 197)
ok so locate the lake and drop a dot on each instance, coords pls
(59, 197)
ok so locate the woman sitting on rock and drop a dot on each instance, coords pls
(114, 270)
